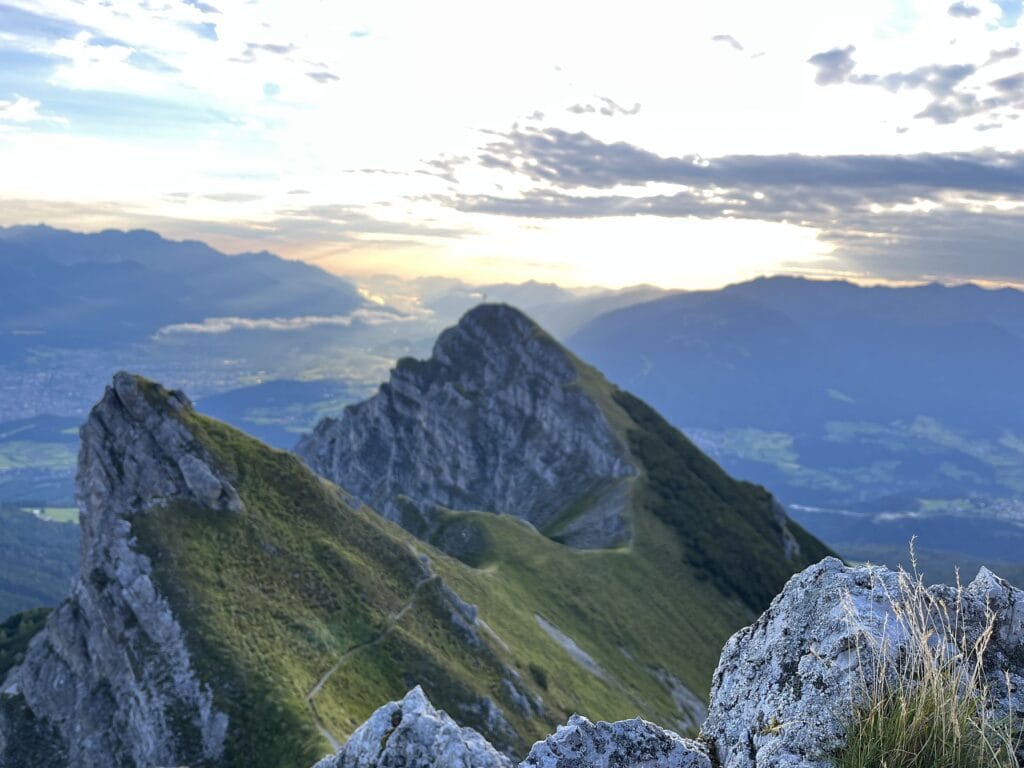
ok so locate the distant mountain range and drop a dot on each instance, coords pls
(879, 412)
(873, 413)
(64, 289)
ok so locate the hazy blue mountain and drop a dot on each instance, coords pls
(561, 310)
(878, 412)
(68, 289)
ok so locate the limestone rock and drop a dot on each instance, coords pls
(410, 733)
(786, 685)
(625, 744)
(495, 420)
(109, 680)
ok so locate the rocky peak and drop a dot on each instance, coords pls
(496, 420)
(109, 679)
(411, 732)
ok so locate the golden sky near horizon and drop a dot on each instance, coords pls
(679, 144)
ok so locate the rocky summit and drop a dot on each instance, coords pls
(496, 420)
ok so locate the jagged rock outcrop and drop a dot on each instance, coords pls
(784, 690)
(496, 420)
(625, 744)
(109, 680)
(411, 732)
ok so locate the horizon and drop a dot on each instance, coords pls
(363, 282)
(882, 146)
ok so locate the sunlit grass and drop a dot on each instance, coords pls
(929, 703)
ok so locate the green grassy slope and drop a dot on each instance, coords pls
(272, 599)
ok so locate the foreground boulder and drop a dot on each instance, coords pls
(411, 732)
(785, 686)
(626, 744)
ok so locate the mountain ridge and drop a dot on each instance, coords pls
(429, 423)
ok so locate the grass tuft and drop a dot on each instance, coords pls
(929, 705)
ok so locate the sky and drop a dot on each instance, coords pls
(683, 144)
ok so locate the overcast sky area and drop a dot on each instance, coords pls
(682, 144)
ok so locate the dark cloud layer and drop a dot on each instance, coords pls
(861, 204)
(952, 100)
(576, 160)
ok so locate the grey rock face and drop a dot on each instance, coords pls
(494, 421)
(784, 689)
(411, 732)
(110, 676)
(626, 744)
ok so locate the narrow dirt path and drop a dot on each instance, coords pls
(393, 619)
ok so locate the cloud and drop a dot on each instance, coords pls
(728, 40)
(218, 325)
(22, 110)
(569, 160)
(884, 213)
(833, 66)
(278, 49)
(952, 99)
(323, 77)
(1012, 85)
(1003, 55)
(348, 223)
(962, 10)
(204, 7)
(232, 197)
(206, 30)
(150, 63)
(29, 25)
(607, 107)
